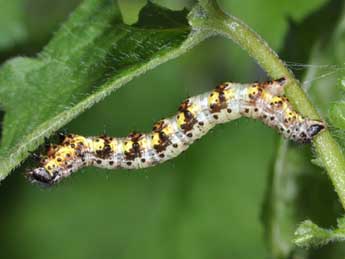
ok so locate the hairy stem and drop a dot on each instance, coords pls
(208, 16)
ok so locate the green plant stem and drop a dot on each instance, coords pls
(208, 16)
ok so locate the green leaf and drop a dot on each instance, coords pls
(294, 194)
(309, 234)
(337, 115)
(92, 55)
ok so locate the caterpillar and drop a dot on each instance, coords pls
(169, 137)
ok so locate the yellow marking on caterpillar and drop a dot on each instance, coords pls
(168, 130)
(292, 115)
(194, 109)
(97, 144)
(277, 100)
(128, 146)
(213, 98)
(142, 143)
(64, 153)
(253, 90)
(229, 93)
(79, 139)
(181, 119)
(155, 139)
(221, 94)
(113, 145)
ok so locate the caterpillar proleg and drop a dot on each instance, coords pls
(169, 137)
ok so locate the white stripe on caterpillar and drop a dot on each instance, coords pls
(169, 137)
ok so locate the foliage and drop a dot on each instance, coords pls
(309, 234)
(102, 55)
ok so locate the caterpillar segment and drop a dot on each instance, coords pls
(170, 137)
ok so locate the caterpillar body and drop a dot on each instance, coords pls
(169, 137)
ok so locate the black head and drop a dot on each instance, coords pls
(305, 131)
(41, 177)
(315, 128)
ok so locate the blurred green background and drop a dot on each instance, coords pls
(212, 201)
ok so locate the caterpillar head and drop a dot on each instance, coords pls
(42, 177)
(307, 130)
(315, 128)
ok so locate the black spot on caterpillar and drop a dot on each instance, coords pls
(170, 137)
